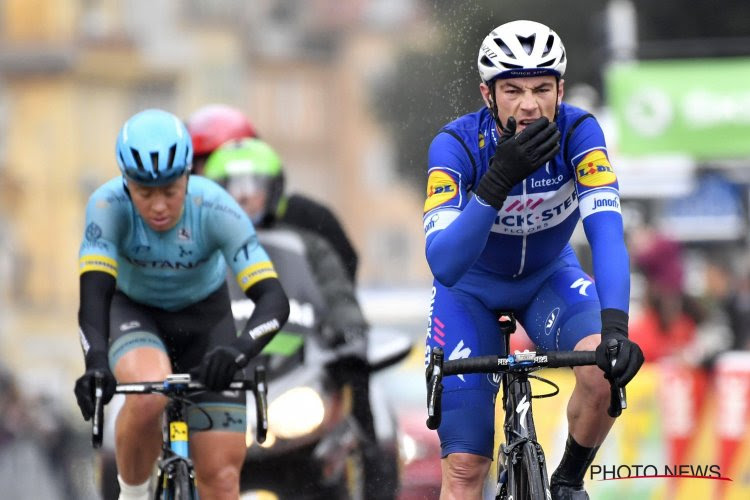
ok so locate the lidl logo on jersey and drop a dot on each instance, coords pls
(526, 214)
(441, 188)
(595, 170)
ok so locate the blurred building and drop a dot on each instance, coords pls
(72, 71)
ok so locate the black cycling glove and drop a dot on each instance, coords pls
(516, 157)
(219, 366)
(97, 364)
(629, 357)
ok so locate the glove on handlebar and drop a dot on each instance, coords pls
(97, 365)
(516, 157)
(629, 357)
(219, 366)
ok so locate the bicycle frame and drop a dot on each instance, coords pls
(521, 456)
(176, 477)
(175, 447)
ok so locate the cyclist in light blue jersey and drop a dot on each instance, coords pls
(507, 185)
(154, 301)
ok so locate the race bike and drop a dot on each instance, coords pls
(314, 447)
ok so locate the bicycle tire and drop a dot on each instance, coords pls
(182, 484)
(528, 480)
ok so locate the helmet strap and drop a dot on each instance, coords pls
(493, 106)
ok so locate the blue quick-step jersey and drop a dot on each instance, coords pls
(178, 267)
(465, 236)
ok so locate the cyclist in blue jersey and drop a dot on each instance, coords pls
(153, 300)
(507, 185)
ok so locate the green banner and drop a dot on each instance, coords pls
(699, 107)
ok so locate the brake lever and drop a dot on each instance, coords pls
(261, 404)
(434, 376)
(617, 397)
(97, 426)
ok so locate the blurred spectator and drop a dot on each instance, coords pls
(674, 323)
(740, 312)
(664, 326)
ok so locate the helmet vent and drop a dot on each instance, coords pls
(486, 61)
(504, 47)
(137, 158)
(527, 43)
(170, 159)
(547, 63)
(549, 45)
(155, 160)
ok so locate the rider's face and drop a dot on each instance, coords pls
(160, 207)
(526, 99)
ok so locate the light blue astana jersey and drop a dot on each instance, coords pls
(179, 267)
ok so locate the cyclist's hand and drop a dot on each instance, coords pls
(628, 360)
(516, 157)
(219, 365)
(85, 386)
(629, 357)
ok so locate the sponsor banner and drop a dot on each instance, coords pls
(699, 107)
(529, 213)
(441, 188)
(439, 220)
(600, 200)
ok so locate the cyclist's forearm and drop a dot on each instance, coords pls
(610, 260)
(270, 314)
(453, 250)
(96, 290)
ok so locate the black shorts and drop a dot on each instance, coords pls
(185, 336)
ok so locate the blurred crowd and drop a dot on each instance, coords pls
(40, 452)
(691, 319)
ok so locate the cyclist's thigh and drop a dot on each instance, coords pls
(137, 351)
(564, 310)
(193, 331)
(464, 327)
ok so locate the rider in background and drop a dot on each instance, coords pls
(214, 124)
(253, 174)
(154, 301)
(507, 185)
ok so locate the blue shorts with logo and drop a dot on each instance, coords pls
(557, 306)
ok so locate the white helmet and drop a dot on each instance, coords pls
(521, 48)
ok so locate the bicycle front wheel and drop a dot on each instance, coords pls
(528, 482)
(182, 483)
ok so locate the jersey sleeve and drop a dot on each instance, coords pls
(234, 234)
(599, 205)
(104, 220)
(456, 225)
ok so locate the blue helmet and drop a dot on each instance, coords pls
(154, 148)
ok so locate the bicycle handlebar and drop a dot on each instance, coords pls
(520, 361)
(180, 384)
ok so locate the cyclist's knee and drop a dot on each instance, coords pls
(466, 469)
(219, 481)
(593, 384)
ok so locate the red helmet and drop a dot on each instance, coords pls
(213, 125)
